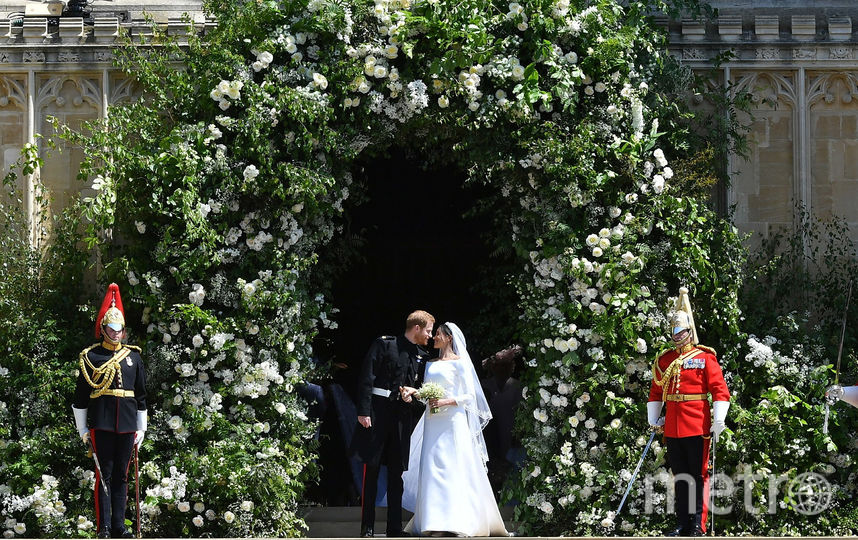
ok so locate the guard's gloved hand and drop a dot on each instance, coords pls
(653, 411)
(833, 393)
(719, 416)
(849, 394)
(80, 424)
(141, 428)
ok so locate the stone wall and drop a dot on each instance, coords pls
(799, 62)
(63, 67)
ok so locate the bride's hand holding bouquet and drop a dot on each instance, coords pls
(432, 393)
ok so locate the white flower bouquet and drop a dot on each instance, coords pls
(430, 391)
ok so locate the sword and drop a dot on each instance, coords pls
(635, 474)
(839, 355)
(98, 467)
(712, 488)
(137, 490)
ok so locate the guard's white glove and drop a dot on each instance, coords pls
(80, 424)
(141, 428)
(653, 411)
(719, 416)
(849, 394)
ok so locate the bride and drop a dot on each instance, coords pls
(446, 485)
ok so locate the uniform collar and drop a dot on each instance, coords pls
(685, 348)
(111, 346)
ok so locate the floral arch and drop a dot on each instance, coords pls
(216, 192)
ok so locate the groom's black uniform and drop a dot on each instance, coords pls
(390, 363)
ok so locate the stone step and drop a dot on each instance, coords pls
(344, 521)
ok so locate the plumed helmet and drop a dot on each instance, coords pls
(681, 318)
(111, 311)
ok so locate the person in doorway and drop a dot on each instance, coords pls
(110, 412)
(385, 420)
(684, 377)
(503, 393)
(446, 484)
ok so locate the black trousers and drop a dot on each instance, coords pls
(688, 458)
(392, 458)
(114, 457)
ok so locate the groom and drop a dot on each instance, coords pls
(384, 434)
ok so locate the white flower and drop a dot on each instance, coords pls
(265, 57)
(641, 346)
(379, 72)
(257, 67)
(166, 338)
(546, 507)
(518, 72)
(597, 251)
(132, 279)
(175, 422)
(658, 183)
(280, 408)
(174, 328)
(540, 415)
(319, 81)
(197, 340)
(250, 172)
(589, 90)
(608, 523)
(247, 506)
(631, 198)
(20, 528)
(573, 421)
(141, 227)
(184, 506)
(443, 102)
(198, 521)
(571, 57)
(199, 507)
(592, 240)
(658, 154)
(667, 173)
(616, 423)
(228, 516)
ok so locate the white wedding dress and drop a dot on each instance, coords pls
(446, 485)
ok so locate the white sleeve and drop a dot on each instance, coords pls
(850, 395)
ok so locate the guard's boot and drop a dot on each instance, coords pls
(366, 531)
(679, 531)
(697, 531)
(104, 533)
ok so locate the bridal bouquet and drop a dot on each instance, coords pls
(431, 391)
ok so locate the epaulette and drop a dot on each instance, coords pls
(84, 352)
(134, 348)
(387, 338)
(710, 350)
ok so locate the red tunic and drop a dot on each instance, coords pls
(700, 374)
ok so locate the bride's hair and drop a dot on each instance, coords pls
(446, 330)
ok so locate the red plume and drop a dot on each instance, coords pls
(112, 298)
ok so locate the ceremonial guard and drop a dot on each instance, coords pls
(110, 412)
(684, 378)
(383, 436)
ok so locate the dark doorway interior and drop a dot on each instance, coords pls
(419, 249)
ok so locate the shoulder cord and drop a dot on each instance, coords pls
(672, 374)
(102, 376)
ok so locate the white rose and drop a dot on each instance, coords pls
(199, 507)
(141, 227)
(589, 90)
(197, 340)
(228, 516)
(250, 172)
(320, 81)
(247, 506)
(198, 521)
(184, 506)
(443, 102)
(641, 346)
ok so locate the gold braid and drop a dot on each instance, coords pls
(672, 374)
(102, 376)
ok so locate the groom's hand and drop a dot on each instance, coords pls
(406, 392)
(365, 421)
